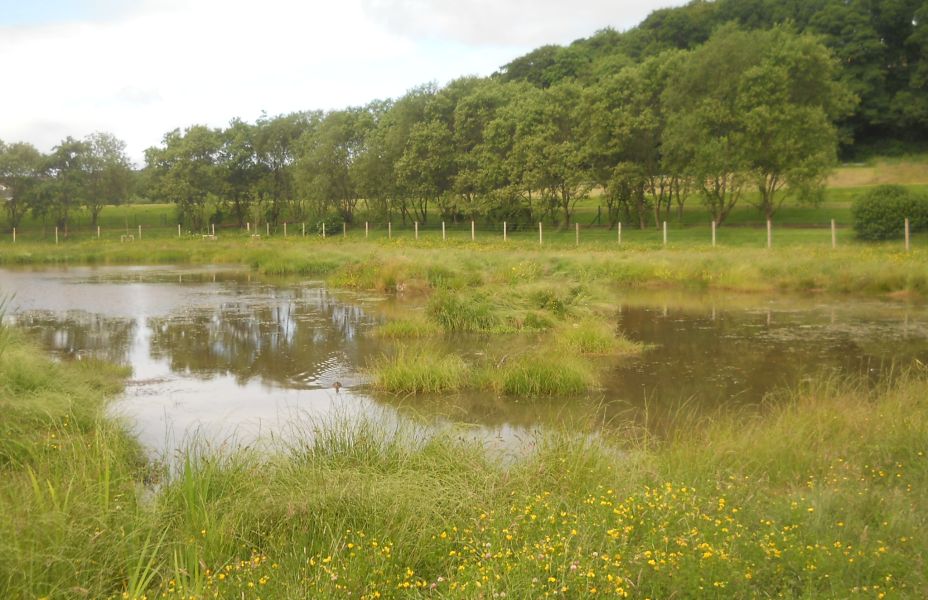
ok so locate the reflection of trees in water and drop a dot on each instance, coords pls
(293, 338)
(77, 333)
(712, 359)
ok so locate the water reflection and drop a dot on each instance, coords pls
(301, 338)
(75, 334)
(232, 358)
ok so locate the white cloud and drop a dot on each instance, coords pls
(514, 22)
(165, 63)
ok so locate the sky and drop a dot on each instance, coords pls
(141, 68)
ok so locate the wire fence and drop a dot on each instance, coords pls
(577, 234)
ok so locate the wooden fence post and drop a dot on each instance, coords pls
(473, 233)
(769, 234)
(834, 236)
(619, 232)
(504, 231)
(417, 229)
(907, 234)
(665, 233)
(713, 233)
(540, 235)
(577, 233)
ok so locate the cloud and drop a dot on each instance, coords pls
(155, 65)
(512, 22)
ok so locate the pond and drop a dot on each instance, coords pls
(224, 356)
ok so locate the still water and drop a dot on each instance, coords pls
(225, 356)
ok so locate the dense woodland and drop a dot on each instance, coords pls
(714, 102)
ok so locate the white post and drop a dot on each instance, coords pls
(665, 233)
(473, 234)
(504, 231)
(443, 230)
(907, 234)
(323, 230)
(769, 234)
(214, 230)
(98, 232)
(365, 230)
(14, 235)
(303, 229)
(285, 229)
(834, 238)
(389, 230)
(417, 229)
(248, 226)
(178, 230)
(56, 231)
(540, 234)
(713, 233)
(620, 231)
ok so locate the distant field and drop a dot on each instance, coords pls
(911, 170)
(160, 220)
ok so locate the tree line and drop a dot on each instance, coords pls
(748, 114)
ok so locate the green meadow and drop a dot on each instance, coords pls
(819, 493)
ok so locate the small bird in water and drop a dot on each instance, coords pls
(337, 386)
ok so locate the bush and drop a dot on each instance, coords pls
(880, 213)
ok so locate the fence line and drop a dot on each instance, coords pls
(505, 232)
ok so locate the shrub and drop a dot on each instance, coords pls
(879, 214)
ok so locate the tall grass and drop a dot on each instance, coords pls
(821, 495)
(422, 371)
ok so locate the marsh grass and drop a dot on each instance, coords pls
(824, 493)
(591, 336)
(456, 313)
(541, 374)
(407, 328)
(422, 370)
(509, 270)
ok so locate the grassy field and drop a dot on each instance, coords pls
(160, 221)
(822, 496)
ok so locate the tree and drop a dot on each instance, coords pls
(108, 173)
(787, 105)
(66, 186)
(754, 108)
(184, 170)
(624, 125)
(425, 170)
(276, 143)
(326, 164)
(237, 168)
(21, 168)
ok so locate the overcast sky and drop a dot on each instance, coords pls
(139, 68)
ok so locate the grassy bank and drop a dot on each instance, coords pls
(822, 496)
(413, 267)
